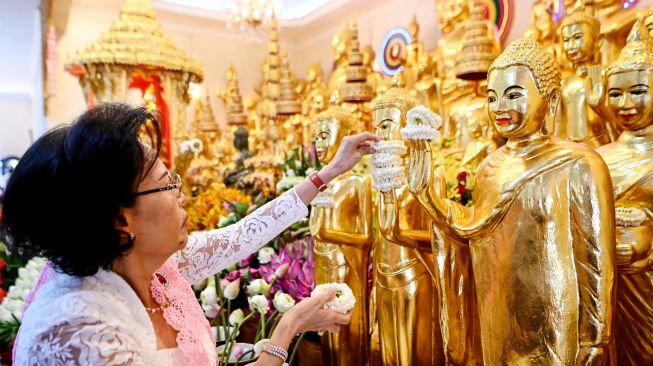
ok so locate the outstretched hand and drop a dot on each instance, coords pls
(310, 315)
(351, 151)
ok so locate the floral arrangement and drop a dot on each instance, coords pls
(11, 308)
(462, 191)
(422, 124)
(388, 171)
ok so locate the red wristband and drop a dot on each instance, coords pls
(319, 183)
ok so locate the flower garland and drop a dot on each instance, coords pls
(422, 124)
(629, 216)
(388, 171)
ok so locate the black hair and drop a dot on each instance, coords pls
(64, 198)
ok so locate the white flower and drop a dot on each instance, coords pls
(283, 302)
(14, 301)
(422, 124)
(344, 300)
(259, 303)
(236, 317)
(258, 286)
(211, 311)
(265, 255)
(288, 182)
(232, 289)
(209, 296)
(281, 271)
(324, 199)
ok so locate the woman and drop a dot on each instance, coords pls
(96, 201)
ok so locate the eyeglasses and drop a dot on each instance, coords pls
(175, 183)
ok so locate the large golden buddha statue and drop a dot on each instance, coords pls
(341, 223)
(630, 160)
(406, 297)
(582, 91)
(339, 48)
(540, 228)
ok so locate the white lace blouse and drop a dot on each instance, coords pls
(99, 319)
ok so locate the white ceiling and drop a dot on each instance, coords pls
(290, 9)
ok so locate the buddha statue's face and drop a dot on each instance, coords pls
(318, 103)
(578, 42)
(629, 98)
(648, 22)
(328, 136)
(515, 105)
(387, 122)
(450, 12)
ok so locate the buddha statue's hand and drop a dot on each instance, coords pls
(419, 166)
(387, 213)
(591, 356)
(629, 261)
(594, 85)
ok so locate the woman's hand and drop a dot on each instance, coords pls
(310, 315)
(351, 151)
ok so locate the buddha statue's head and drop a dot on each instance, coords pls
(629, 81)
(648, 22)
(314, 73)
(340, 44)
(450, 13)
(332, 126)
(241, 139)
(580, 33)
(368, 55)
(523, 87)
(390, 110)
(542, 20)
(318, 101)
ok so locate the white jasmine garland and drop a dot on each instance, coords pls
(259, 303)
(388, 171)
(422, 124)
(283, 302)
(629, 216)
(324, 199)
(265, 255)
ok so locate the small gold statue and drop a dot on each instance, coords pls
(630, 160)
(316, 101)
(406, 297)
(581, 92)
(342, 227)
(374, 78)
(540, 228)
(340, 48)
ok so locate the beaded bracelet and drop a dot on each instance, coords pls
(275, 351)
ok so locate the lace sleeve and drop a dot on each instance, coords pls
(209, 252)
(81, 342)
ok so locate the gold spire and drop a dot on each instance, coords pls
(479, 45)
(356, 89)
(271, 85)
(136, 39)
(637, 54)
(289, 102)
(235, 115)
(205, 117)
(413, 29)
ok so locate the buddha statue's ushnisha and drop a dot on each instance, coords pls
(341, 223)
(629, 81)
(541, 225)
(582, 91)
(406, 296)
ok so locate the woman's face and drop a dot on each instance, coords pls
(158, 220)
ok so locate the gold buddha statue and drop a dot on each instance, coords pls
(581, 92)
(615, 21)
(316, 101)
(406, 297)
(339, 47)
(540, 228)
(343, 238)
(451, 16)
(629, 82)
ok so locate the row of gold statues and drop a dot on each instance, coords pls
(550, 262)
